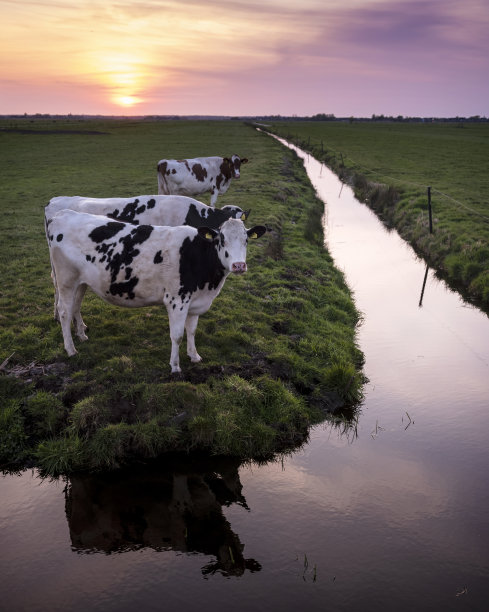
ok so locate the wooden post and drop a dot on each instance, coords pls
(429, 210)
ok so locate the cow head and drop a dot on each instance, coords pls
(236, 212)
(235, 165)
(230, 242)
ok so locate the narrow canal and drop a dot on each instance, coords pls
(390, 514)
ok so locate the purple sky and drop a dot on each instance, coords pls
(346, 57)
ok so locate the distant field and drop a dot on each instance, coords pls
(278, 344)
(453, 159)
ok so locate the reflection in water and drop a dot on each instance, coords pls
(423, 287)
(166, 506)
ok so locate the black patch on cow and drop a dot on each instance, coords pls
(199, 266)
(200, 172)
(162, 167)
(88, 257)
(123, 257)
(151, 203)
(129, 212)
(127, 287)
(104, 232)
(158, 258)
(59, 237)
(215, 217)
(226, 173)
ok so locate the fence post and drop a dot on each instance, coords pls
(429, 210)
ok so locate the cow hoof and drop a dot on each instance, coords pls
(81, 333)
(195, 358)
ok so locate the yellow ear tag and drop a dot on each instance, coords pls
(208, 236)
(254, 235)
(243, 217)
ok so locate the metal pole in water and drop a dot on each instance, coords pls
(429, 210)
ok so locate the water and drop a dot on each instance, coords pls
(391, 516)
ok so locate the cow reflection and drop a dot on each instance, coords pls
(178, 509)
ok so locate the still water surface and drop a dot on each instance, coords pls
(393, 515)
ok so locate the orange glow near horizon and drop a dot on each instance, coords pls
(127, 100)
(121, 76)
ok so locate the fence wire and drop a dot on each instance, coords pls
(407, 182)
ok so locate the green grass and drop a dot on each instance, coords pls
(390, 166)
(278, 344)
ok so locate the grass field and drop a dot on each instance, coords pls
(278, 344)
(390, 165)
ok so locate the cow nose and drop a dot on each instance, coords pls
(239, 267)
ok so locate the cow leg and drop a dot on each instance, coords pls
(66, 298)
(53, 278)
(213, 197)
(190, 328)
(77, 318)
(177, 328)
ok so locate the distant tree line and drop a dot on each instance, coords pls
(398, 118)
(317, 117)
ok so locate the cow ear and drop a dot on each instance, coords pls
(256, 231)
(207, 233)
(245, 160)
(244, 215)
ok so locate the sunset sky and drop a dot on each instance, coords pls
(249, 57)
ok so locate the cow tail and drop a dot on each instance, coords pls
(162, 182)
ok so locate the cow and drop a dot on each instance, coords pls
(193, 177)
(142, 265)
(146, 209)
(149, 210)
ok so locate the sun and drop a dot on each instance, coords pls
(127, 100)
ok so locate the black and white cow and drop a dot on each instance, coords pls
(182, 267)
(147, 209)
(193, 177)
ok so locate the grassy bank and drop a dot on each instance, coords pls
(390, 166)
(278, 344)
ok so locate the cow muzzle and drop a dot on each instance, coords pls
(239, 267)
